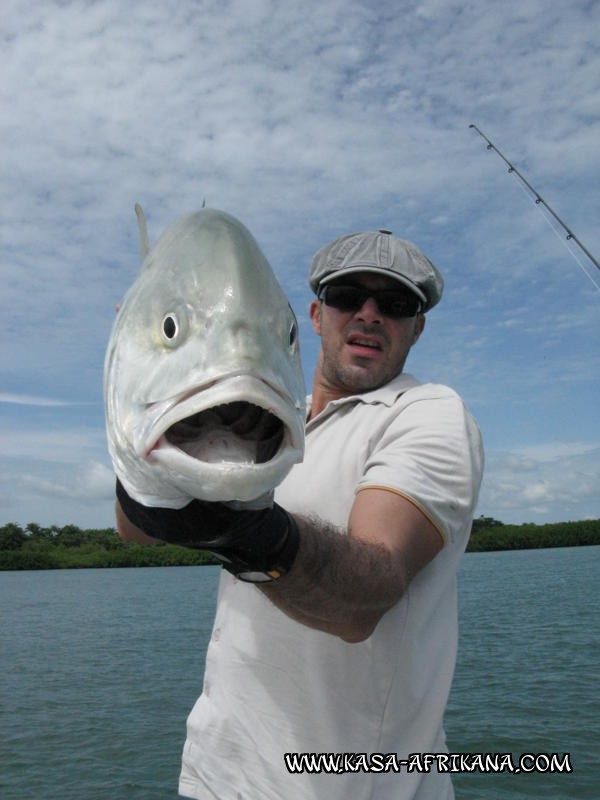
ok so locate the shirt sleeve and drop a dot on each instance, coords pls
(430, 451)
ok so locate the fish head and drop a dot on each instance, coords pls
(204, 391)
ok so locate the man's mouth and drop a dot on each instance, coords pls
(366, 343)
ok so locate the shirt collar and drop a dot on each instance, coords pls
(386, 394)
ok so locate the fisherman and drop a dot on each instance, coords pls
(336, 634)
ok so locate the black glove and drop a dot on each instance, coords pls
(255, 546)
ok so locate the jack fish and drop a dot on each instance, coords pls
(203, 386)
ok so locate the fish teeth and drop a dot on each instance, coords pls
(245, 421)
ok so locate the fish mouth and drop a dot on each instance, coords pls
(239, 430)
(239, 420)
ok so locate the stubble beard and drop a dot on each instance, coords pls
(357, 377)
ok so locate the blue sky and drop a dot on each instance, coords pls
(307, 120)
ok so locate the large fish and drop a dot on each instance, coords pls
(203, 386)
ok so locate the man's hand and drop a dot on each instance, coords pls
(261, 541)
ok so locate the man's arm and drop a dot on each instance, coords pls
(128, 531)
(343, 584)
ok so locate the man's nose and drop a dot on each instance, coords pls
(369, 312)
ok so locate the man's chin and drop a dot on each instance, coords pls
(361, 378)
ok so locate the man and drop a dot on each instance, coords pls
(349, 648)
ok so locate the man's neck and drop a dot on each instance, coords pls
(321, 396)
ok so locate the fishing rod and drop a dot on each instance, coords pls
(539, 199)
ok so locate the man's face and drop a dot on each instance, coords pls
(361, 350)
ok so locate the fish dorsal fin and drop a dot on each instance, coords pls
(143, 230)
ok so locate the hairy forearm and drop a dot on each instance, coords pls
(338, 583)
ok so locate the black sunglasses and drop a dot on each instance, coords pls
(391, 303)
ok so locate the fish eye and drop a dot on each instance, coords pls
(169, 326)
(174, 326)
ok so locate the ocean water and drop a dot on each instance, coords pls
(527, 678)
(99, 669)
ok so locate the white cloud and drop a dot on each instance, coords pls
(89, 482)
(98, 481)
(61, 446)
(31, 400)
(548, 481)
(518, 463)
(558, 451)
(81, 493)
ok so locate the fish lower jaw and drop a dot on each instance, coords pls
(217, 450)
(226, 477)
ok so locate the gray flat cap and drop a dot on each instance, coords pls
(379, 252)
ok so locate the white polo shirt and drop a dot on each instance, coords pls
(273, 686)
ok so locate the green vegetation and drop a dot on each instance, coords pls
(70, 547)
(490, 534)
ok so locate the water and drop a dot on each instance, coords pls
(100, 668)
(528, 667)
(99, 671)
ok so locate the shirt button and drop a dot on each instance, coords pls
(216, 635)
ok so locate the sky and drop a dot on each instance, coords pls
(307, 120)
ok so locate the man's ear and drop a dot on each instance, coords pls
(419, 327)
(315, 316)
